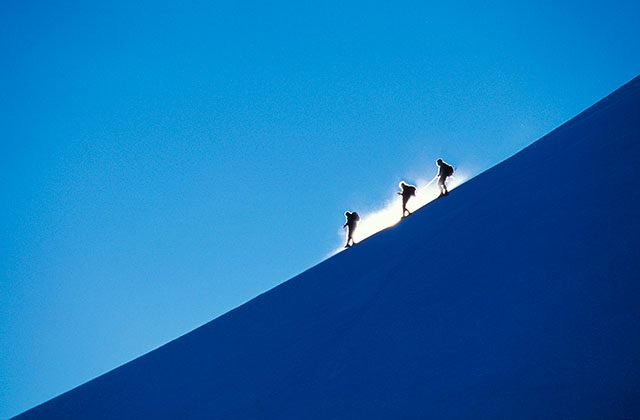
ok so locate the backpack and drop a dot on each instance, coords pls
(353, 217)
(447, 170)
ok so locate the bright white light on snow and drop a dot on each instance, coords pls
(390, 214)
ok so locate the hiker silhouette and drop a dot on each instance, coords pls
(445, 170)
(352, 220)
(407, 192)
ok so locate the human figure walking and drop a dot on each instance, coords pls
(352, 221)
(445, 170)
(407, 192)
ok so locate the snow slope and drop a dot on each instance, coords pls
(518, 296)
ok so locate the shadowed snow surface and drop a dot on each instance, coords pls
(518, 296)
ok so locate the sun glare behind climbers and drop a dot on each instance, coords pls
(389, 215)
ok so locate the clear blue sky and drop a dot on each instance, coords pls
(163, 163)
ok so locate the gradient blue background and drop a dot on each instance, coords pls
(163, 163)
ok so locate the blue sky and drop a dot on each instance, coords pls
(163, 163)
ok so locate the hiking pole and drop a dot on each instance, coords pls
(427, 186)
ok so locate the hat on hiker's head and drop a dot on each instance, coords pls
(439, 161)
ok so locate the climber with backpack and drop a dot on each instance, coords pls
(352, 220)
(407, 192)
(445, 170)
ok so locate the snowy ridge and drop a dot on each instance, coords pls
(514, 297)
